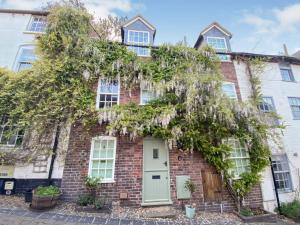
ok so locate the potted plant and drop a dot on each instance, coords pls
(190, 209)
(45, 197)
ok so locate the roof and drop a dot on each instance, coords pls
(19, 11)
(297, 54)
(139, 17)
(268, 58)
(208, 28)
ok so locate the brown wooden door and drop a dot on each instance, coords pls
(212, 186)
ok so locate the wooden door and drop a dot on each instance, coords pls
(212, 186)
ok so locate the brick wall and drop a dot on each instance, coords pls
(129, 164)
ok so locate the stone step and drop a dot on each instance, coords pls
(160, 212)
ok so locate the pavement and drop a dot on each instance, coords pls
(15, 216)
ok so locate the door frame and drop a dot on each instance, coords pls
(169, 202)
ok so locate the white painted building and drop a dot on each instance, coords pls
(19, 29)
(280, 81)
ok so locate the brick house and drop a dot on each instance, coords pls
(144, 172)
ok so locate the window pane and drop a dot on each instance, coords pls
(282, 172)
(102, 165)
(109, 93)
(217, 43)
(295, 106)
(38, 24)
(229, 90)
(286, 74)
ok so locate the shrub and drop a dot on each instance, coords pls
(246, 212)
(85, 200)
(100, 202)
(291, 209)
(46, 191)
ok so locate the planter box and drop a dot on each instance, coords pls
(44, 202)
(267, 217)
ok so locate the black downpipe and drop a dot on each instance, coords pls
(54, 150)
(276, 188)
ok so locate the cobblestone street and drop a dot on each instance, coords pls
(17, 216)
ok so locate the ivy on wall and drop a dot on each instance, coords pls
(191, 113)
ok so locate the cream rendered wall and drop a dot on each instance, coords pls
(13, 35)
(272, 85)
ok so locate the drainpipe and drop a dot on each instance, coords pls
(275, 185)
(54, 150)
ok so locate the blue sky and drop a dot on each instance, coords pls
(260, 26)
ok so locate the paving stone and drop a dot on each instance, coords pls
(99, 220)
(5, 211)
(162, 223)
(125, 222)
(32, 214)
(150, 222)
(138, 222)
(113, 222)
(73, 219)
(87, 219)
(47, 215)
(60, 217)
(18, 212)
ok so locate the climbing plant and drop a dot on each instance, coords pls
(190, 112)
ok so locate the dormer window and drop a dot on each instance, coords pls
(218, 43)
(139, 38)
(38, 24)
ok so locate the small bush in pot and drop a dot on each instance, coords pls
(190, 209)
(44, 197)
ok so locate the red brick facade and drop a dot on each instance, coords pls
(129, 165)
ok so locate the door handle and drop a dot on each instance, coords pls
(166, 163)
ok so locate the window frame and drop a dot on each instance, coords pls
(283, 159)
(273, 104)
(19, 54)
(233, 85)
(293, 116)
(291, 75)
(29, 26)
(138, 43)
(16, 136)
(141, 94)
(105, 93)
(236, 177)
(141, 44)
(112, 180)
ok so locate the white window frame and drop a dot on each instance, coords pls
(109, 138)
(142, 44)
(141, 95)
(283, 159)
(17, 135)
(105, 93)
(28, 29)
(220, 38)
(263, 103)
(19, 54)
(291, 75)
(289, 98)
(233, 85)
(221, 49)
(138, 43)
(236, 177)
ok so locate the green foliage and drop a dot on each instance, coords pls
(100, 202)
(246, 212)
(92, 182)
(191, 112)
(47, 191)
(291, 210)
(85, 200)
(190, 186)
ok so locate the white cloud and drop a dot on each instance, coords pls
(272, 28)
(100, 8)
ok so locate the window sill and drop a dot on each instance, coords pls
(33, 32)
(107, 182)
(285, 191)
(289, 81)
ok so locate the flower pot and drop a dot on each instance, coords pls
(44, 202)
(189, 211)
